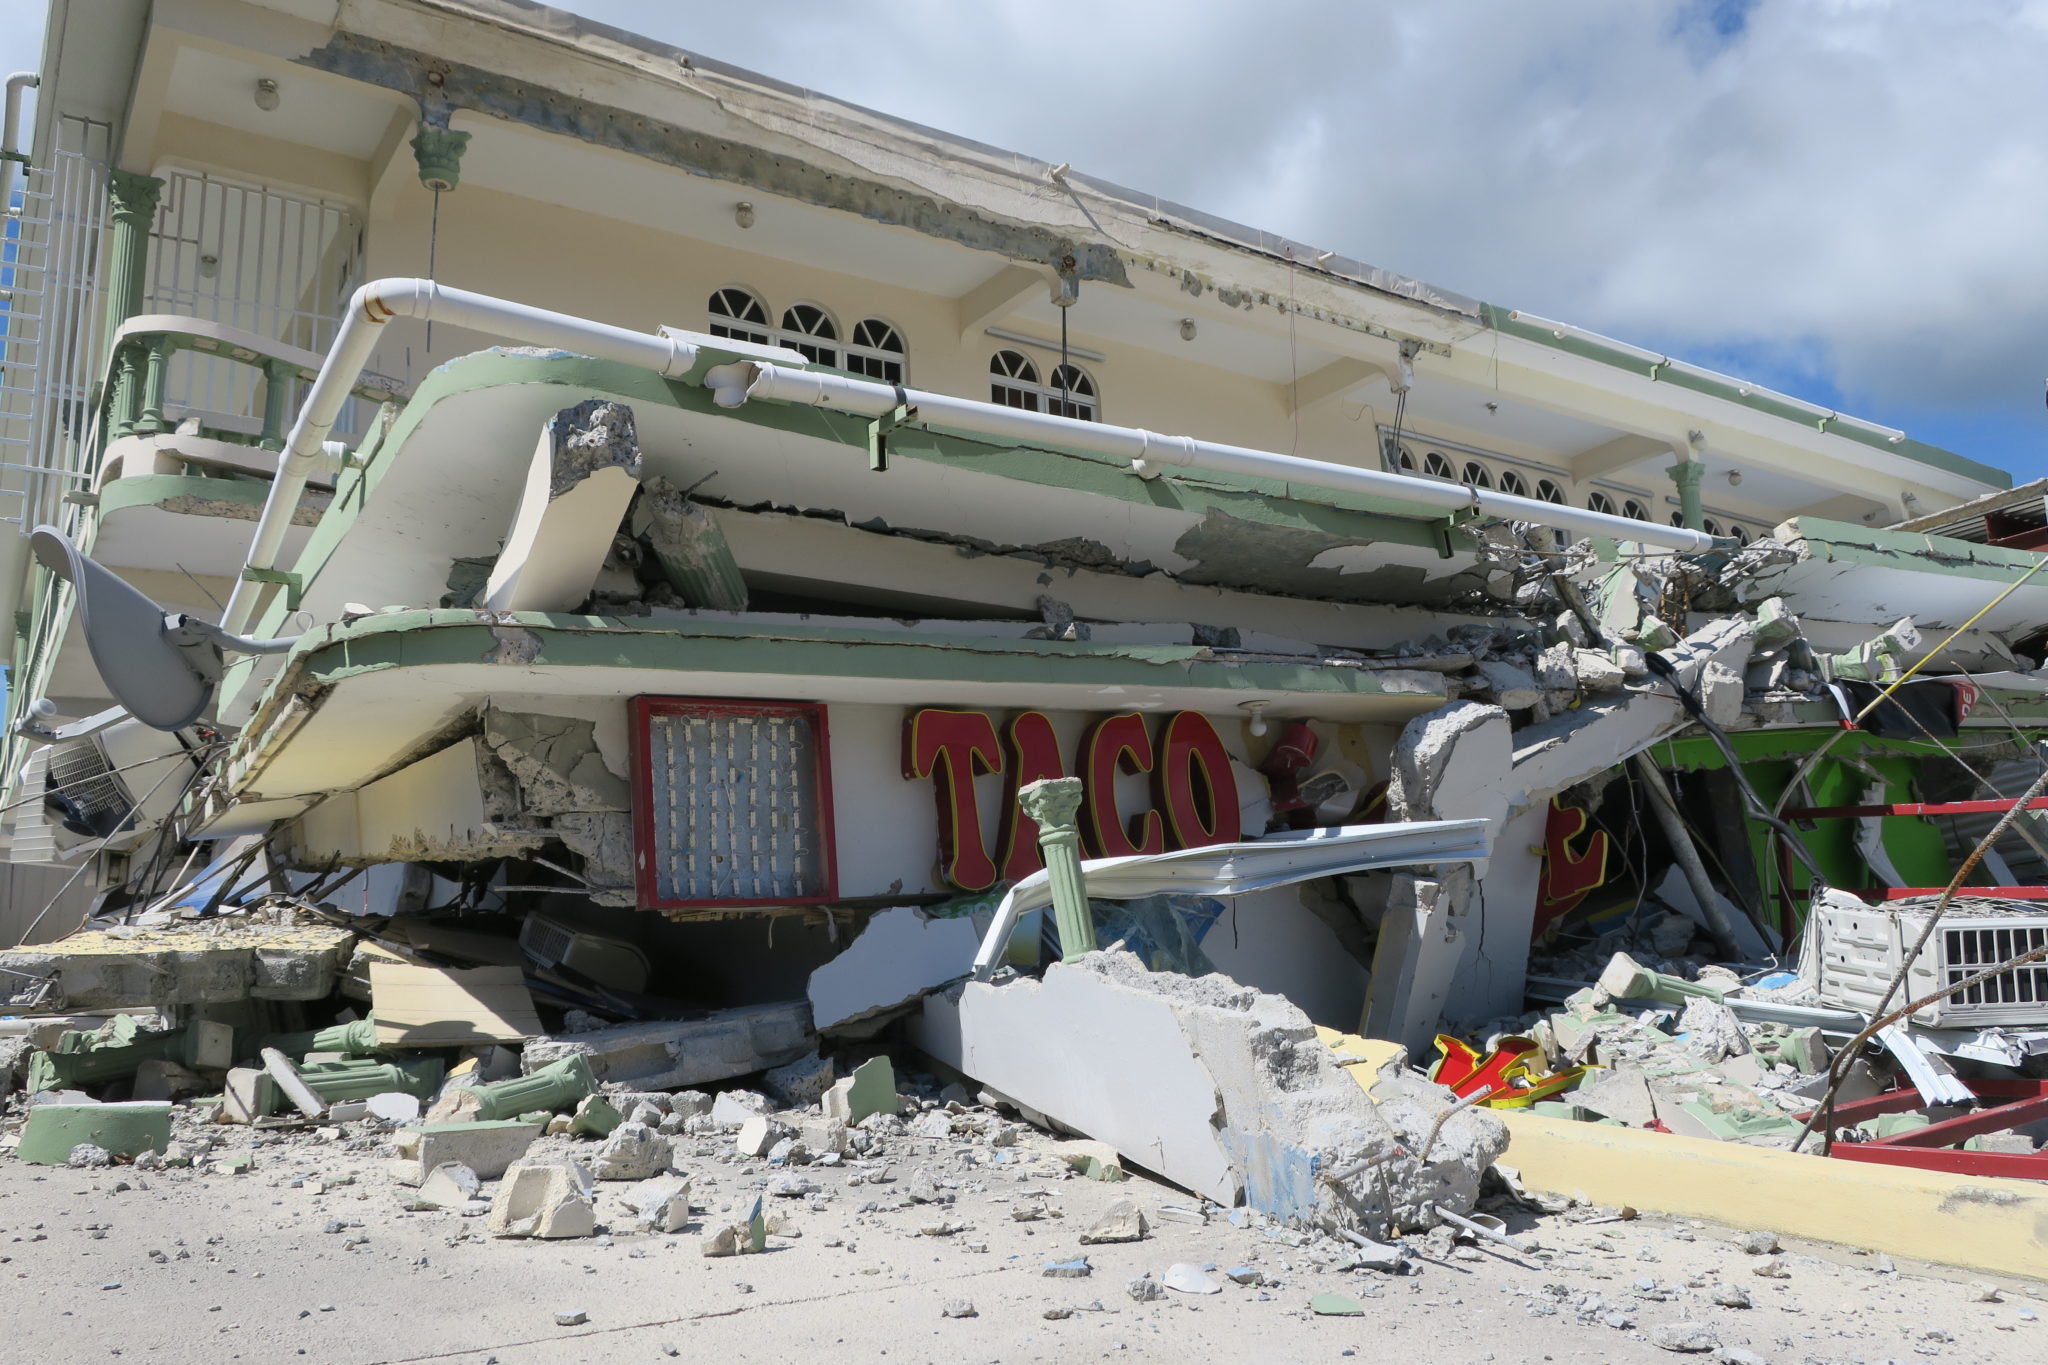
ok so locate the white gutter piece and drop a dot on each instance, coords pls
(1256, 865)
(1151, 454)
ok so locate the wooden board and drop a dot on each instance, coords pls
(449, 1007)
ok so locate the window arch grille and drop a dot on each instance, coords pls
(1596, 501)
(877, 351)
(1739, 534)
(1478, 475)
(1402, 460)
(809, 330)
(1678, 518)
(1069, 392)
(1549, 491)
(1436, 466)
(740, 315)
(1632, 508)
(1013, 381)
(1710, 526)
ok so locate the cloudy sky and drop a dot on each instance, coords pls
(1846, 199)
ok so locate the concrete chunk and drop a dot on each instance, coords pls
(870, 1090)
(547, 1199)
(486, 1148)
(632, 1152)
(121, 1130)
(669, 1054)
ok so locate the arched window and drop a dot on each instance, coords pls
(877, 351)
(1710, 526)
(738, 314)
(1631, 508)
(1511, 482)
(1436, 466)
(1070, 393)
(1739, 534)
(1678, 518)
(1549, 491)
(809, 330)
(1477, 474)
(1013, 381)
(1402, 460)
(1596, 501)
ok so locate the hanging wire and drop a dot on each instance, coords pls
(433, 245)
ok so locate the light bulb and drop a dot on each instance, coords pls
(266, 94)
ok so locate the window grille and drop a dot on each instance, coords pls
(740, 316)
(1710, 526)
(1511, 482)
(877, 351)
(1437, 466)
(732, 803)
(1549, 491)
(1478, 475)
(1070, 393)
(1739, 534)
(1599, 502)
(1013, 381)
(1631, 508)
(806, 329)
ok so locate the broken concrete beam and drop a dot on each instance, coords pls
(668, 1054)
(286, 1078)
(486, 1148)
(691, 549)
(98, 970)
(898, 955)
(546, 1199)
(579, 483)
(1242, 1101)
(123, 1130)
(870, 1090)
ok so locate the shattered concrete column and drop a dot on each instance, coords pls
(692, 550)
(1450, 764)
(582, 478)
(1053, 803)
(1664, 805)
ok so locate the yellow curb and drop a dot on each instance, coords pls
(1994, 1224)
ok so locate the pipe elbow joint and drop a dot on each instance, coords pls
(1157, 453)
(379, 301)
(730, 384)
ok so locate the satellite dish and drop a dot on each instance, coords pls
(162, 667)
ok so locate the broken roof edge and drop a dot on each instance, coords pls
(1665, 369)
(1937, 523)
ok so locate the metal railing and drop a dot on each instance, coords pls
(51, 315)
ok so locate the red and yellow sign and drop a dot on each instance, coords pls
(1194, 792)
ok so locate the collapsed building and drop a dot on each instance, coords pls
(660, 566)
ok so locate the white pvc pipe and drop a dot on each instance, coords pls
(375, 304)
(1151, 454)
(10, 132)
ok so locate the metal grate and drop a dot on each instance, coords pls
(50, 318)
(83, 787)
(735, 804)
(1965, 952)
(280, 265)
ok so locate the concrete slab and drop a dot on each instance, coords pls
(899, 955)
(127, 1129)
(97, 971)
(669, 1054)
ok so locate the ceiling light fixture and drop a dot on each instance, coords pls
(743, 214)
(266, 94)
(1187, 329)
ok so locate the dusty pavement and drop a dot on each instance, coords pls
(310, 1254)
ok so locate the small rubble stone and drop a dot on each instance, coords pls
(758, 1133)
(1689, 1338)
(1729, 1296)
(633, 1152)
(1758, 1243)
(544, 1199)
(1983, 1292)
(870, 1090)
(1771, 1268)
(661, 1204)
(1076, 1269)
(734, 1107)
(1123, 1221)
(1736, 1355)
(959, 1308)
(449, 1185)
(85, 1156)
(801, 1083)
(1145, 1289)
(1335, 1306)
(571, 1317)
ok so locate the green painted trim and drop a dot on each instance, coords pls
(1918, 551)
(153, 490)
(419, 639)
(1948, 461)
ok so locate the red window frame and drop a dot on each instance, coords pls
(645, 709)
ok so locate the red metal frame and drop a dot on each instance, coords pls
(644, 710)
(1931, 1149)
(1998, 805)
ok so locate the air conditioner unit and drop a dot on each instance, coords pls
(1860, 949)
(106, 791)
(607, 961)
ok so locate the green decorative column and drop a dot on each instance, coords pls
(131, 205)
(555, 1086)
(1686, 474)
(1053, 803)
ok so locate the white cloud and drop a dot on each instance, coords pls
(1861, 183)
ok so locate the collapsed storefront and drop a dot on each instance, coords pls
(701, 703)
